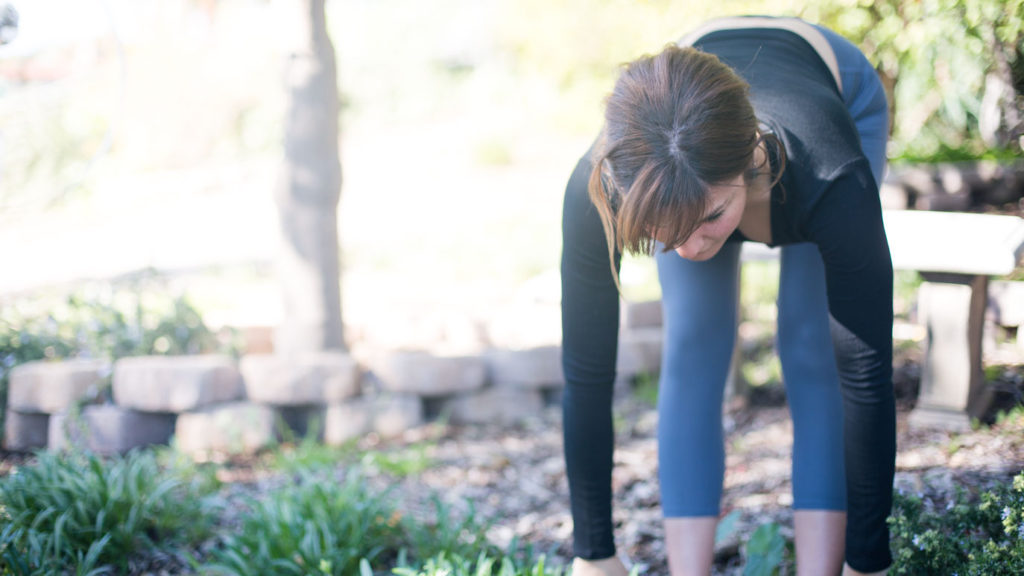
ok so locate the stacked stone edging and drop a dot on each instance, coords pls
(175, 383)
(209, 404)
(233, 427)
(108, 429)
(48, 387)
(36, 390)
(430, 375)
(301, 380)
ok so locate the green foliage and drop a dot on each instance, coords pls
(939, 54)
(982, 535)
(727, 526)
(906, 284)
(310, 454)
(1010, 421)
(307, 454)
(765, 551)
(645, 387)
(318, 526)
(449, 534)
(80, 510)
(445, 564)
(408, 461)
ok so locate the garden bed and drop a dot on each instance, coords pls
(508, 482)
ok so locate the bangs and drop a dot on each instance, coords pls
(665, 199)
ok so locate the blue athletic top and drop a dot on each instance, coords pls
(827, 196)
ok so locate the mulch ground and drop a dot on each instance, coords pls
(515, 475)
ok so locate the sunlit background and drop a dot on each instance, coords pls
(142, 139)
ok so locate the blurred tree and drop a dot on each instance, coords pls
(310, 186)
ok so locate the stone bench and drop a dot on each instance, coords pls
(955, 253)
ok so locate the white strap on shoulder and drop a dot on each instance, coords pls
(812, 35)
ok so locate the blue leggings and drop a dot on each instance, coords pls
(700, 302)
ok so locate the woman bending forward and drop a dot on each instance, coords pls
(763, 130)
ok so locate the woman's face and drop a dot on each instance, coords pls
(725, 210)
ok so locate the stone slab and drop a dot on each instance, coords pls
(301, 379)
(347, 421)
(495, 405)
(238, 427)
(25, 431)
(53, 387)
(175, 383)
(394, 414)
(930, 418)
(109, 429)
(646, 314)
(539, 367)
(388, 415)
(430, 375)
(985, 244)
(639, 353)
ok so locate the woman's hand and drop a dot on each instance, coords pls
(606, 567)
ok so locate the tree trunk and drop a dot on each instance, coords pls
(309, 189)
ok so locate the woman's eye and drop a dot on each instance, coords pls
(713, 217)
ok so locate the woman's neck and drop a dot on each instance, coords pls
(756, 222)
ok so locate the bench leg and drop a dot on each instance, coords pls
(952, 308)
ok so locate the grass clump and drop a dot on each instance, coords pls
(448, 534)
(335, 527)
(96, 515)
(319, 526)
(445, 564)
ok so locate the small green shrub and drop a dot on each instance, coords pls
(80, 510)
(408, 461)
(318, 526)
(464, 536)
(970, 536)
(307, 454)
(765, 551)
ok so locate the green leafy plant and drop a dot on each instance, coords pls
(448, 533)
(318, 526)
(306, 454)
(942, 60)
(971, 535)
(408, 461)
(645, 387)
(765, 551)
(80, 510)
(445, 564)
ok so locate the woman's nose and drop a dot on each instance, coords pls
(691, 248)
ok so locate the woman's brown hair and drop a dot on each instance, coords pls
(675, 124)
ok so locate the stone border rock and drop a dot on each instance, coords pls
(211, 404)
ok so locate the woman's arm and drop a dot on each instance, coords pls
(847, 227)
(590, 325)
